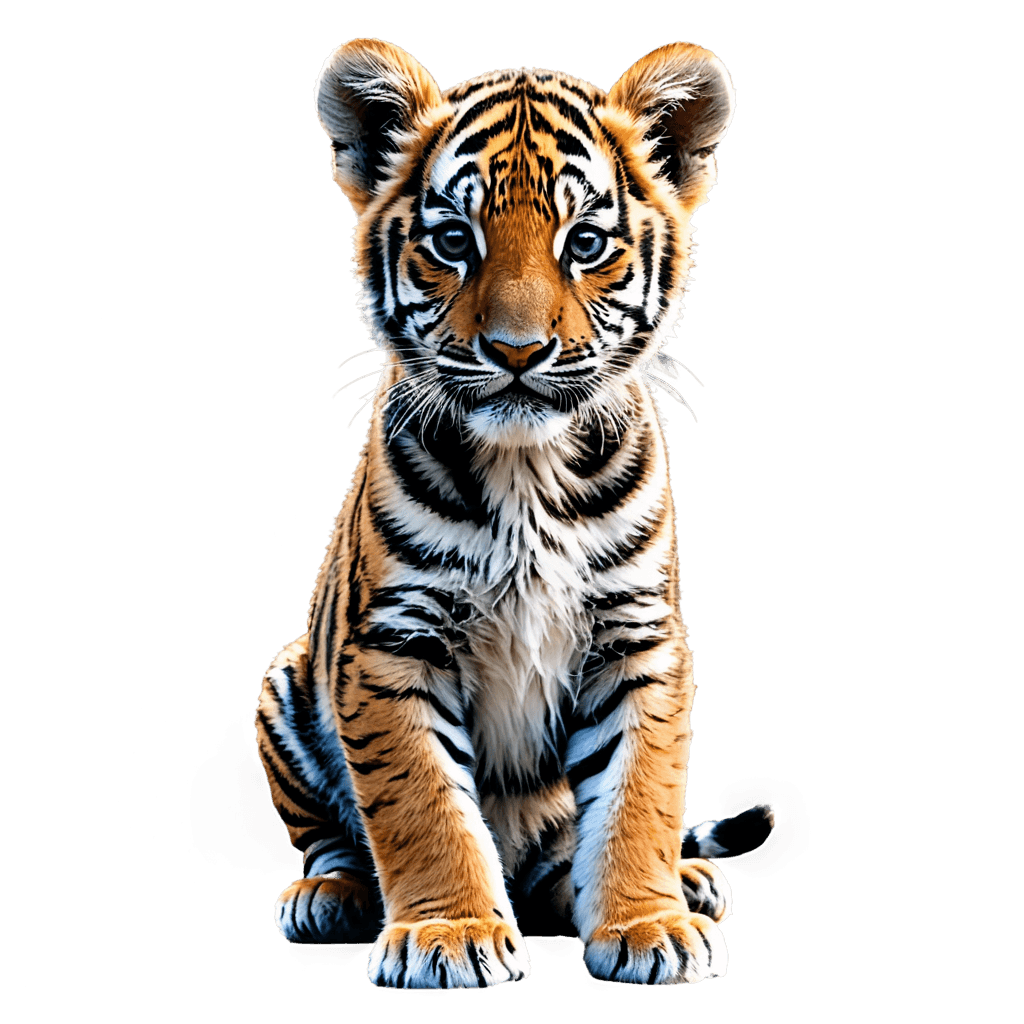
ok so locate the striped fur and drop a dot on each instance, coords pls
(485, 730)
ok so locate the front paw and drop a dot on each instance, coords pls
(469, 952)
(665, 948)
(704, 888)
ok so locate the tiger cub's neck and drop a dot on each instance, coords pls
(556, 511)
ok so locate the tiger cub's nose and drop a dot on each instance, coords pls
(517, 358)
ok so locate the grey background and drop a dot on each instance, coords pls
(178, 296)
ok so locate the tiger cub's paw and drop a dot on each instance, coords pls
(662, 949)
(328, 908)
(470, 952)
(705, 889)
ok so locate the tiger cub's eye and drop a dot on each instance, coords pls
(586, 243)
(452, 242)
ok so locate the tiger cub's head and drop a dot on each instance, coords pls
(522, 235)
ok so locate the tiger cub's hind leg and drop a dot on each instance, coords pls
(326, 909)
(705, 889)
(337, 899)
(537, 837)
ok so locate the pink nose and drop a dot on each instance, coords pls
(513, 357)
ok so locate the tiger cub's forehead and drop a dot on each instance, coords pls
(523, 142)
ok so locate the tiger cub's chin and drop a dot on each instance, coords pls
(516, 424)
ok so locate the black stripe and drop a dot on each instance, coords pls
(626, 353)
(607, 706)
(569, 144)
(362, 741)
(298, 821)
(625, 281)
(458, 94)
(422, 490)
(303, 800)
(474, 959)
(297, 709)
(623, 956)
(478, 140)
(307, 839)
(394, 250)
(659, 959)
(667, 265)
(332, 846)
(468, 170)
(329, 632)
(595, 763)
(403, 959)
(597, 446)
(481, 107)
(428, 647)
(568, 110)
(626, 479)
(315, 626)
(280, 747)
(681, 951)
(414, 183)
(376, 806)
(646, 249)
(402, 544)
(636, 543)
(375, 258)
(615, 599)
(616, 255)
(355, 591)
(460, 757)
(553, 508)
(387, 693)
(602, 655)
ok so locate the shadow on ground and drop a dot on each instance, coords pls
(231, 813)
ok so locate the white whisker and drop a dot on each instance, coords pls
(359, 410)
(660, 382)
(348, 384)
(356, 355)
(670, 363)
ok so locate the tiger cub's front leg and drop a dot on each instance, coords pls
(448, 920)
(626, 761)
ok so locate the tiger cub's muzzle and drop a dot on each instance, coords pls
(516, 359)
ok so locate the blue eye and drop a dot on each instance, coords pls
(586, 243)
(453, 241)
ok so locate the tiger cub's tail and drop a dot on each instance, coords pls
(731, 836)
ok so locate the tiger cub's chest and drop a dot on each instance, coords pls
(519, 663)
(525, 641)
(528, 573)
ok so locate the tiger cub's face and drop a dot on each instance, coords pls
(523, 235)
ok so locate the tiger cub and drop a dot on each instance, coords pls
(485, 730)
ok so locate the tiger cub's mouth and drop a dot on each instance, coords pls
(518, 392)
(522, 363)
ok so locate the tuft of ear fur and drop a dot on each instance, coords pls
(369, 93)
(682, 97)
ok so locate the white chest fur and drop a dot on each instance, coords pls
(524, 647)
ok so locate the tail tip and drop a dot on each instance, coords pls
(747, 831)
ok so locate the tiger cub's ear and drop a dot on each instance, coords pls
(370, 91)
(682, 97)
